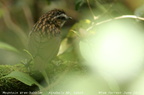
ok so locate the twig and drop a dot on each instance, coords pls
(95, 17)
(120, 17)
(28, 16)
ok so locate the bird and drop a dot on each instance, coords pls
(45, 37)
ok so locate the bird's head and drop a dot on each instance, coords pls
(51, 22)
(59, 17)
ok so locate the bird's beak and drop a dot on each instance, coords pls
(70, 18)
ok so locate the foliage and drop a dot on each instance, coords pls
(6, 46)
(23, 77)
(18, 17)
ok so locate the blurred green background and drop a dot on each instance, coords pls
(90, 17)
(18, 16)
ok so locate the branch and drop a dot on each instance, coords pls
(116, 18)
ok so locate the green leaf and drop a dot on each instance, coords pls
(24, 78)
(7, 47)
(68, 56)
(75, 29)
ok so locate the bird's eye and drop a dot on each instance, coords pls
(61, 18)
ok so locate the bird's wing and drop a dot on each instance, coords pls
(44, 47)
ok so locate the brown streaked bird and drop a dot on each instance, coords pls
(45, 37)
